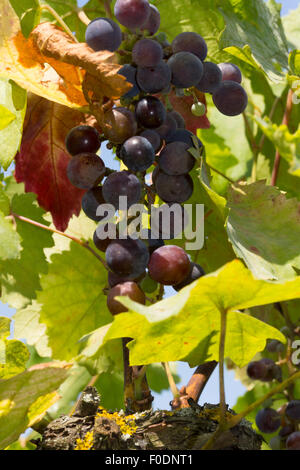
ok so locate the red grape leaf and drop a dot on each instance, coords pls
(183, 106)
(42, 161)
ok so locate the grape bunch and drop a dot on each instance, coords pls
(149, 137)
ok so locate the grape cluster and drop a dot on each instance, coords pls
(148, 136)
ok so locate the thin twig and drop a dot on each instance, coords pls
(171, 380)
(107, 8)
(59, 20)
(221, 366)
(220, 173)
(83, 17)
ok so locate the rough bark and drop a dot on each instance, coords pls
(185, 429)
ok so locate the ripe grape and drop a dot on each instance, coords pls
(137, 153)
(186, 69)
(211, 78)
(127, 257)
(150, 112)
(285, 431)
(85, 170)
(153, 137)
(167, 129)
(154, 79)
(169, 265)
(114, 279)
(132, 13)
(103, 34)
(195, 273)
(275, 346)
(230, 72)
(265, 370)
(174, 188)
(153, 22)
(130, 289)
(190, 42)
(293, 441)
(120, 124)
(293, 410)
(230, 98)
(121, 183)
(103, 243)
(83, 139)
(147, 53)
(175, 159)
(178, 118)
(90, 202)
(268, 420)
(183, 135)
(129, 72)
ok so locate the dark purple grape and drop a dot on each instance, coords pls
(168, 221)
(152, 243)
(153, 22)
(195, 273)
(127, 257)
(175, 159)
(114, 279)
(275, 346)
(129, 72)
(169, 265)
(150, 112)
(178, 118)
(132, 13)
(183, 135)
(230, 98)
(120, 124)
(167, 129)
(101, 242)
(85, 170)
(154, 79)
(121, 183)
(285, 431)
(137, 153)
(155, 173)
(211, 78)
(230, 72)
(264, 370)
(190, 42)
(268, 420)
(153, 137)
(82, 139)
(293, 410)
(174, 188)
(293, 441)
(129, 289)
(186, 69)
(90, 202)
(103, 34)
(147, 53)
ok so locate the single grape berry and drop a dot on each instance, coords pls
(103, 34)
(268, 420)
(211, 78)
(122, 183)
(178, 118)
(150, 112)
(230, 98)
(293, 410)
(129, 289)
(169, 265)
(103, 243)
(132, 13)
(190, 42)
(264, 370)
(137, 153)
(293, 441)
(167, 129)
(198, 109)
(174, 188)
(90, 202)
(154, 79)
(129, 72)
(147, 53)
(83, 139)
(275, 346)
(183, 135)
(186, 69)
(195, 273)
(230, 72)
(85, 170)
(120, 124)
(127, 257)
(152, 24)
(153, 137)
(175, 159)
(149, 285)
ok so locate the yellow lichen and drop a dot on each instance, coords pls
(126, 423)
(86, 443)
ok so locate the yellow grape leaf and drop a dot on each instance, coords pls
(38, 409)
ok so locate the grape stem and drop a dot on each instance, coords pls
(83, 243)
(221, 367)
(107, 8)
(171, 380)
(83, 17)
(59, 20)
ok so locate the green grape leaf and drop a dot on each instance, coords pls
(264, 228)
(14, 358)
(13, 109)
(294, 63)
(4, 327)
(10, 245)
(18, 288)
(72, 299)
(18, 393)
(4, 202)
(187, 325)
(292, 28)
(29, 14)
